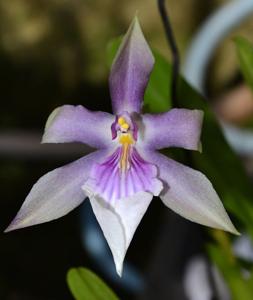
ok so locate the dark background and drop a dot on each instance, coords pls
(54, 53)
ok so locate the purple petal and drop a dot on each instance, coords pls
(77, 124)
(119, 222)
(112, 184)
(130, 71)
(56, 193)
(190, 194)
(175, 128)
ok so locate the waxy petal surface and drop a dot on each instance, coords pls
(119, 222)
(70, 123)
(175, 128)
(130, 71)
(56, 193)
(190, 194)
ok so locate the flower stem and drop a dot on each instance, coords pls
(173, 46)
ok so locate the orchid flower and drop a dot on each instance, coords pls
(121, 177)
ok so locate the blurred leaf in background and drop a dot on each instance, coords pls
(244, 50)
(86, 285)
(245, 54)
(238, 275)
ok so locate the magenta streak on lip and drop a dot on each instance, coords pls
(112, 184)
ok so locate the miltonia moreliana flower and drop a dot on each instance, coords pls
(126, 171)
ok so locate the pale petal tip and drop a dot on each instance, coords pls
(119, 270)
(22, 221)
(236, 232)
(119, 262)
(49, 122)
(8, 229)
(228, 226)
(136, 22)
(136, 30)
(135, 33)
(233, 230)
(12, 226)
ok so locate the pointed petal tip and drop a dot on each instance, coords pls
(233, 230)
(13, 226)
(8, 229)
(135, 21)
(135, 31)
(226, 225)
(119, 270)
(236, 232)
(119, 222)
(135, 34)
(119, 262)
(229, 229)
(130, 70)
(197, 200)
(19, 222)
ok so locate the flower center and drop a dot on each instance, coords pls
(126, 130)
(125, 140)
(124, 172)
(124, 126)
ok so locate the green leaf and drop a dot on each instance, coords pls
(85, 285)
(217, 161)
(245, 54)
(159, 87)
(111, 49)
(241, 286)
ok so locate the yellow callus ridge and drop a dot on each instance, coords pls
(126, 140)
(124, 158)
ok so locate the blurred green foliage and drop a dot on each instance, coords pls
(85, 285)
(244, 50)
(245, 54)
(238, 275)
